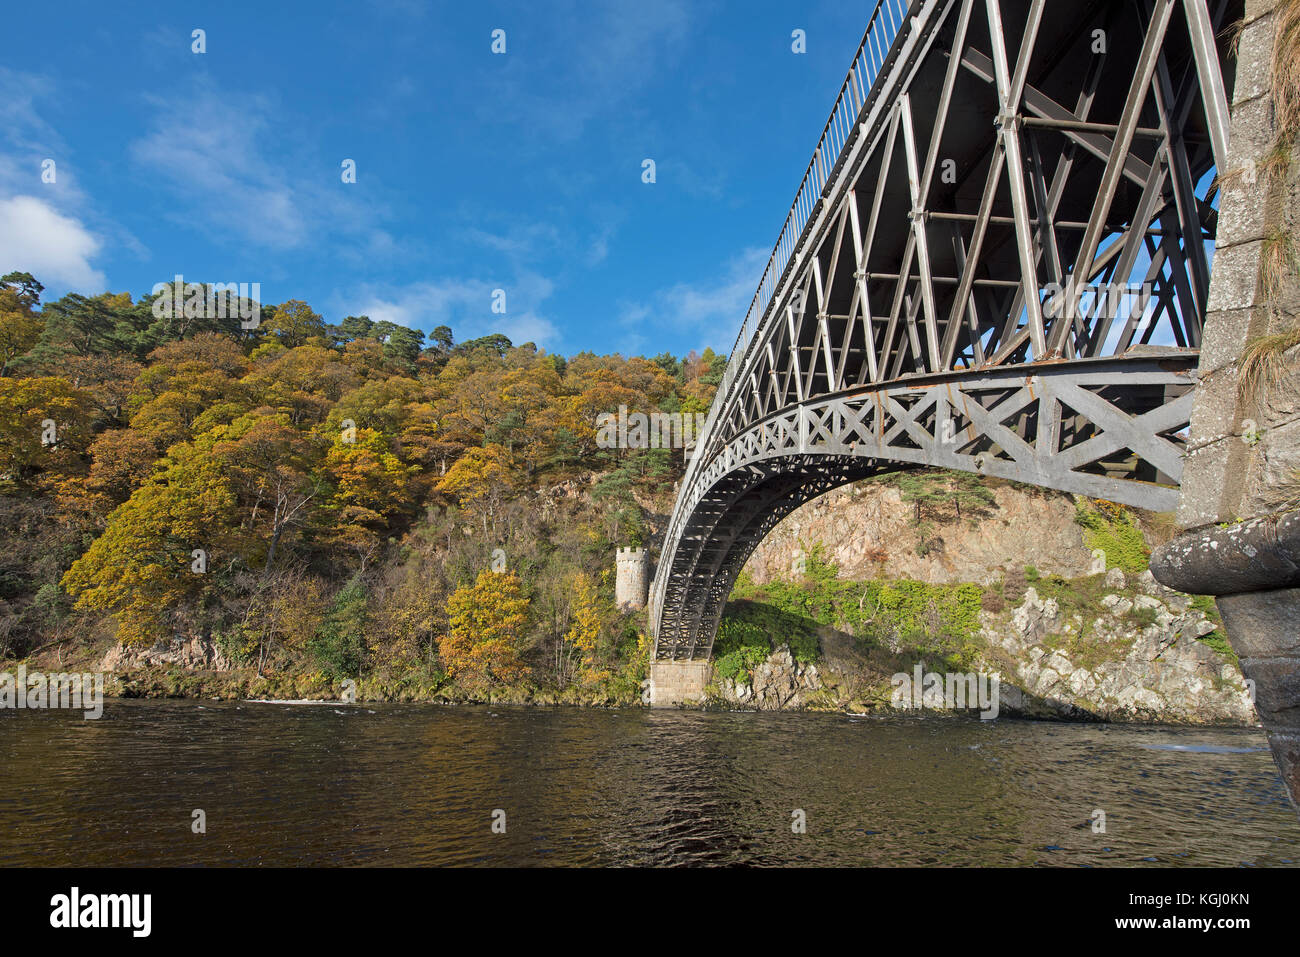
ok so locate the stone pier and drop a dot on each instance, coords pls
(1241, 476)
(676, 683)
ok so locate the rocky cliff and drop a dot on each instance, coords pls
(1065, 638)
(1139, 658)
(870, 532)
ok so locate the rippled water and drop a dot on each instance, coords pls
(417, 785)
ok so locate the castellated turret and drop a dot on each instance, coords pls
(632, 582)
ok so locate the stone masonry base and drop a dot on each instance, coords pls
(674, 683)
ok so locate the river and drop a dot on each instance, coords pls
(423, 784)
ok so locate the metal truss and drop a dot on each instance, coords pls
(1003, 271)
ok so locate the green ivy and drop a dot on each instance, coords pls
(1111, 528)
(741, 646)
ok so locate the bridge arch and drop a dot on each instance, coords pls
(1015, 423)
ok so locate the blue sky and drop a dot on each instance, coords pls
(475, 171)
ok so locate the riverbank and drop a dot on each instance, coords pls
(1110, 648)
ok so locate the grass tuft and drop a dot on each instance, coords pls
(1264, 361)
(1285, 70)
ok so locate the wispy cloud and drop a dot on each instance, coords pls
(218, 171)
(520, 242)
(414, 9)
(600, 54)
(21, 120)
(606, 221)
(711, 310)
(56, 249)
(524, 243)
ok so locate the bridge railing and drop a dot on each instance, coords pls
(882, 29)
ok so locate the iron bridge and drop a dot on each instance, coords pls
(997, 261)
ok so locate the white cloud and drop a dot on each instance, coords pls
(56, 249)
(43, 225)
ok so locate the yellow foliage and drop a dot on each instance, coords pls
(478, 474)
(485, 623)
(140, 568)
(584, 632)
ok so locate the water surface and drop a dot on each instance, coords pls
(419, 784)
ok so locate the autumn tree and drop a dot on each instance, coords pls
(379, 404)
(588, 617)
(20, 326)
(108, 381)
(305, 382)
(287, 614)
(121, 461)
(369, 485)
(421, 440)
(526, 392)
(43, 421)
(269, 464)
(481, 480)
(328, 472)
(410, 611)
(141, 569)
(293, 323)
(189, 386)
(486, 630)
(475, 404)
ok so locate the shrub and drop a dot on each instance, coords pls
(339, 645)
